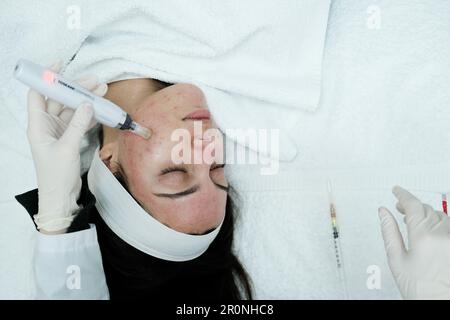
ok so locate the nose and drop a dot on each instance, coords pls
(200, 147)
(203, 176)
(209, 147)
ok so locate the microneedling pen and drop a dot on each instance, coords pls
(54, 86)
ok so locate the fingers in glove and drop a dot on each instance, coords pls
(400, 208)
(65, 113)
(36, 102)
(436, 219)
(101, 90)
(56, 66)
(53, 107)
(409, 205)
(432, 215)
(393, 240)
(89, 82)
(78, 125)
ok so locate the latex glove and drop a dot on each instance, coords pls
(54, 133)
(423, 270)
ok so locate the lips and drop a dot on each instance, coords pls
(202, 114)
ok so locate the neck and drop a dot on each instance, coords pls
(127, 94)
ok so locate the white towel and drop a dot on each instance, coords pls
(383, 120)
(384, 105)
(258, 62)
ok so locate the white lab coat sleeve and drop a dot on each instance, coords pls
(69, 266)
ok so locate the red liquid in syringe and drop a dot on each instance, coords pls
(444, 203)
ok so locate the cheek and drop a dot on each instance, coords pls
(203, 213)
(130, 151)
(141, 161)
(155, 114)
(134, 159)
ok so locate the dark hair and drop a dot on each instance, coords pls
(216, 274)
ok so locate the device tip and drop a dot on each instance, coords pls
(142, 131)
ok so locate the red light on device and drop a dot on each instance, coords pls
(48, 77)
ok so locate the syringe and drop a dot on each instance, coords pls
(54, 86)
(336, 240)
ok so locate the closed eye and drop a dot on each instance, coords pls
(217, 166)
(181, 169)
(172, 169)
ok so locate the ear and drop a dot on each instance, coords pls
(109, 154)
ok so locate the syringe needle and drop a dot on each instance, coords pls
(336, 239)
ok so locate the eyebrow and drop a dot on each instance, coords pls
(187, 192)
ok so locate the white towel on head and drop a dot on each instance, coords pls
(258, 62)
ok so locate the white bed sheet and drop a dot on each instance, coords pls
(382, 120)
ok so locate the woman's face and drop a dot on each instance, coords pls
(187, 197)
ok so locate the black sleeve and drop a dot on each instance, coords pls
(86, 201)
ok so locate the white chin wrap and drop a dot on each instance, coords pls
(135, 226)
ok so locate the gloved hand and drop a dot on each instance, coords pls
(54, 133)
(423, 270)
